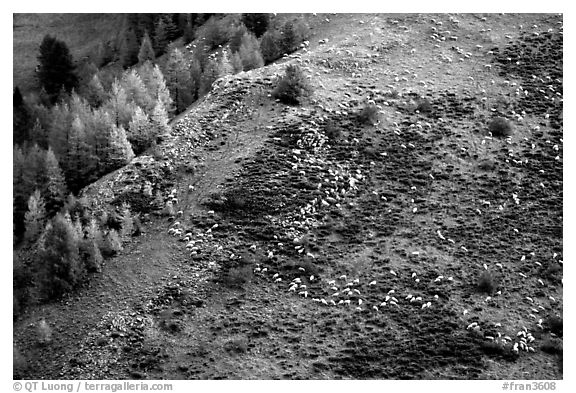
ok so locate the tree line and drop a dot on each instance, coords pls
(90, 119)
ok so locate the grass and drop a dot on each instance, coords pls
(81, 32)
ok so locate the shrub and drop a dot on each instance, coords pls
(424, 106)
(368, 114)
(238, 276)
(90, 254)
(236, 346)
(332, 131)
(292, 88)
(21, 283)
(19, 363)
(556, 325)
(486, 282)
(44, 332)
(492, 348)
(552, 346)
(500, 127)
(127, 222)
(111, 244)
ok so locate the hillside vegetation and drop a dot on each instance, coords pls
(82, 32)
(402, 219)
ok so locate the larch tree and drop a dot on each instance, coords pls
(120, 151)
(136, 91)
(159, 119)
(289, 41)
(54, 190)
(236, 38)
(250, 52)
(58, 263)
(94, 92)
(140, 131)
(236, 63)
(118, 105)
(78, 161)
(270, 46)
(195, 77)
(156, 85)
(178, 80)
(146, 52)
(225, 67)
(35, 217)
(209, 76)
(128, 48)
(19, 192)
(60, 121)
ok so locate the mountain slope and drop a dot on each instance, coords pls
(396, 220)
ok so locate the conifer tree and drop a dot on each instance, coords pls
(289, 41)
(165, 32)
(78, 161)
(209, 75)
(120, 152)
(21, 120)
(19, 192)
(146, 52)
(35, 217)
(250, 53)
(156, 86)
(94, 92)
(178, 80)
(56, 68)
(58, 259)
(195, 77)
(189, 30)
(236, 63)
(34, 170)
(118, 106)
(135, 89)
(214, 34)
(225, 67)
(128, 48)
(256, 23)
(159, 120)
(140, 131)
(236, 38)
(60, 121)
(54, 190)
(270, 46)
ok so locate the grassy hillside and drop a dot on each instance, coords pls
(81, 32)
(308, 244)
